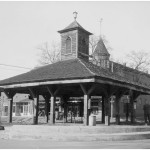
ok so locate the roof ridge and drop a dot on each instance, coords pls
(131, 69)
(86, 67)
(72, 26)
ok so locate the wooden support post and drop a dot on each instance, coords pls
(10, 105)
(107, 111)
(35, 105)
(52, 105)
(52, 110)
(10, 96)
(46, 110)
(86, 97)
(103, 110)
(112, 108)
(117, 112)
(131, 106)
(108, 94)
(65, 99)
(133, 96)
(65, 111)
(117, 102)
(47, 107)
(87, 93)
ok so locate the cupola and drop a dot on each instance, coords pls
(74, 41)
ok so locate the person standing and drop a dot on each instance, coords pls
(146, 108)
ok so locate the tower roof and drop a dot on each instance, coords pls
(101, 49)
(74, 25)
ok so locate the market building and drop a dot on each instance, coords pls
(79, 74)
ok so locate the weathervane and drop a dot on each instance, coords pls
(101, 27)
(75, 15)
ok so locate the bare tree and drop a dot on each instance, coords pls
(139, 60)
(49, 53)
(93, 42)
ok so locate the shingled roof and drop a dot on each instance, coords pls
(101, 49)
(66, 70)
(74, 25)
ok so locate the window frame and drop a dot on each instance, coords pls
(66, 46)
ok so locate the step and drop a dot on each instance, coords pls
(46, 129)
(77, 137)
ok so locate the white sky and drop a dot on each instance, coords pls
(25, 25)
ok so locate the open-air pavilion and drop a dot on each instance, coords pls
(79, 75)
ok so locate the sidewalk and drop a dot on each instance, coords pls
(78, 121)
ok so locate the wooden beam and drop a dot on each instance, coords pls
(47, 83)
(32, 93)
(50, 90)
(9, 94)
(91, 89)
(53, 92)
(83, 88)
(125, 85)
(132, 86)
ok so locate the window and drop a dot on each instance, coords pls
(68, 45)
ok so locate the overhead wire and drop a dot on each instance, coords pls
(15, 66)
(13, 69)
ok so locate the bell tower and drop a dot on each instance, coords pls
(74, 41)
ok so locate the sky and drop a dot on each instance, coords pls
(26, 25)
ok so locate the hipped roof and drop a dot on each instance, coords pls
(101, 49)
(74, 25)
(67, 70)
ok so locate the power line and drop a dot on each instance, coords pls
(13, 69)
(15, 66)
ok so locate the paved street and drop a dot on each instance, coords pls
(38, 144)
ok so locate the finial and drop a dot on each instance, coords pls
(101, 27)
(75, 15)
